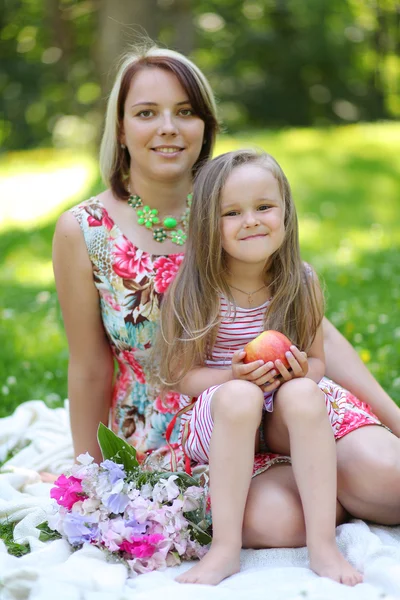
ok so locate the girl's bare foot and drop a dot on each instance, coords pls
(329, 562)
(221, 561)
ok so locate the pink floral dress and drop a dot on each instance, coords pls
(131, 284)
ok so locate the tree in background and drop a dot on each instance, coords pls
(271, 62)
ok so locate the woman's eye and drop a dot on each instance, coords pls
(186, 112)
(145, 114)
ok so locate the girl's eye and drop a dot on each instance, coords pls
(145, 114)
(264, 207)
(231, 213)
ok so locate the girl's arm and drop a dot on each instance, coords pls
(197, 380)
(90, 371)
(346, 368)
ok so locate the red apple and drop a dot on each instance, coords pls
(268, 346)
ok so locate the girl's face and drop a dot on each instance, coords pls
(163, 135)
(252, 216)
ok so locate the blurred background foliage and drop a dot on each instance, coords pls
(272, 63)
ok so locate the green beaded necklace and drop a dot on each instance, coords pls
(148, 217)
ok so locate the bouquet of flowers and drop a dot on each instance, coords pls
(149, 520)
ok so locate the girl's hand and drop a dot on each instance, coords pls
(257, 371)
(298, 365)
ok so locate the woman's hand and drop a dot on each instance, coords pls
(257, 371)
(298, 368)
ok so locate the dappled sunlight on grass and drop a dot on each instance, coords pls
(25, 269)
(33, 191)
(347, 191)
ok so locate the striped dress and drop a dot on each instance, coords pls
(345, 412)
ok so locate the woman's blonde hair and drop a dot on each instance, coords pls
(115, 160)
(190, 313)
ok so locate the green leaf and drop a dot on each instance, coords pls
(46, 533)
(115, 449)
(202, 536)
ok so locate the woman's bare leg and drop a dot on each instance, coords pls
(345, 367)
(300, 424)
(274, 515)
(369, 474)
(236, 409)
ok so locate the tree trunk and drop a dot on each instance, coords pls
(120, 24)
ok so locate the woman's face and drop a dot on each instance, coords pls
(163, 135)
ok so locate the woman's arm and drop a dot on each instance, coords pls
(90, 371)
(345, 367)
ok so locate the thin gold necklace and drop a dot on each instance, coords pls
(248, 294)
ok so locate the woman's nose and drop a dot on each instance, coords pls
(167, 125)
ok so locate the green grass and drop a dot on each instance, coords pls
(6, 534)
(347, 190)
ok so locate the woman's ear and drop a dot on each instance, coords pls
(122, 139)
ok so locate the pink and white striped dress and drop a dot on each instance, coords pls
(234, 332)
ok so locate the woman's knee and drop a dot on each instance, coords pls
(238, 399)
(363, 471)
(277, 524)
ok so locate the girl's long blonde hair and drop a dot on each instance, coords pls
(190, 313)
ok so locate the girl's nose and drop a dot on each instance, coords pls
(251, 219)
(167, 125)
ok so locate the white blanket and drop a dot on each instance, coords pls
(52, 570)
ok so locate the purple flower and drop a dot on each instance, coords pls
(115, 472)
(116, 503)
(136, 527)
(80, 528)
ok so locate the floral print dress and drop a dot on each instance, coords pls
(130, 283)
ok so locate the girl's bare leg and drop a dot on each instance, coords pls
(236, 410)
(274, 515)
(369, 474)
(299, 424)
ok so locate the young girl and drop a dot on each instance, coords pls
(242, 274)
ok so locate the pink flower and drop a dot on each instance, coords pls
(108, 299)
(105, 220)
(93, 222)
(142, 546)
(127, 355)
(166, 267)
(68, 490)
(130, 262)
(169, 403)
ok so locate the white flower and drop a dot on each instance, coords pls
(171, 487)
(192, 498)
(90, 505)
(146, 491)
(85, 459)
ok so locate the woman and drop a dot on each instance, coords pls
(114, 257)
